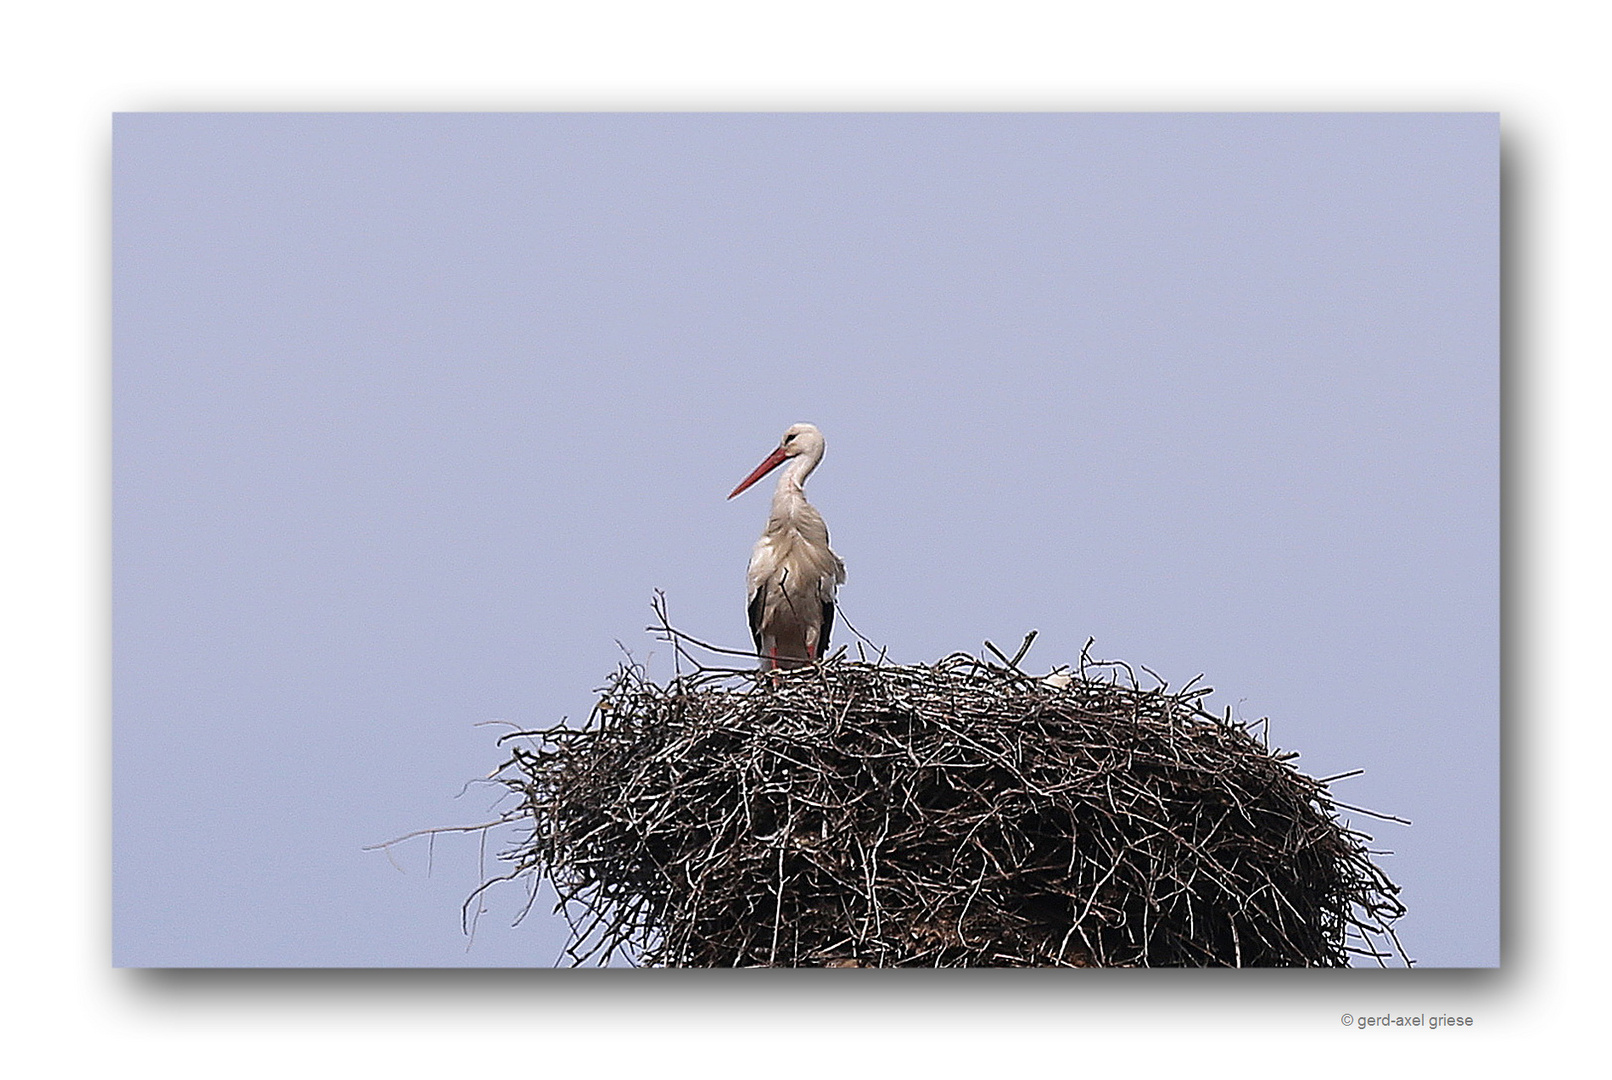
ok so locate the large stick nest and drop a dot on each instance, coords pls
(959, 814)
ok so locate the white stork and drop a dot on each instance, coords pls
(793, 574)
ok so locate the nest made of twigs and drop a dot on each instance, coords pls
(958, 814)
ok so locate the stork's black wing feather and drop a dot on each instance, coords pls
(758, 604)
(828, 627)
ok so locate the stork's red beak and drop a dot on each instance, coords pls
(775, 459)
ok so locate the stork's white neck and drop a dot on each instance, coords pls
(789, 494)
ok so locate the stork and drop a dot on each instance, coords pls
(793, 573)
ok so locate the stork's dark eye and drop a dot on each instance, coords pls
(791, 437)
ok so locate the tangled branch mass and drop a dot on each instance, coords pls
(959, 814)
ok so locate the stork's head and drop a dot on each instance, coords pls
(801, 440)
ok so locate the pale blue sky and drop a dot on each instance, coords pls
(414, 412)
